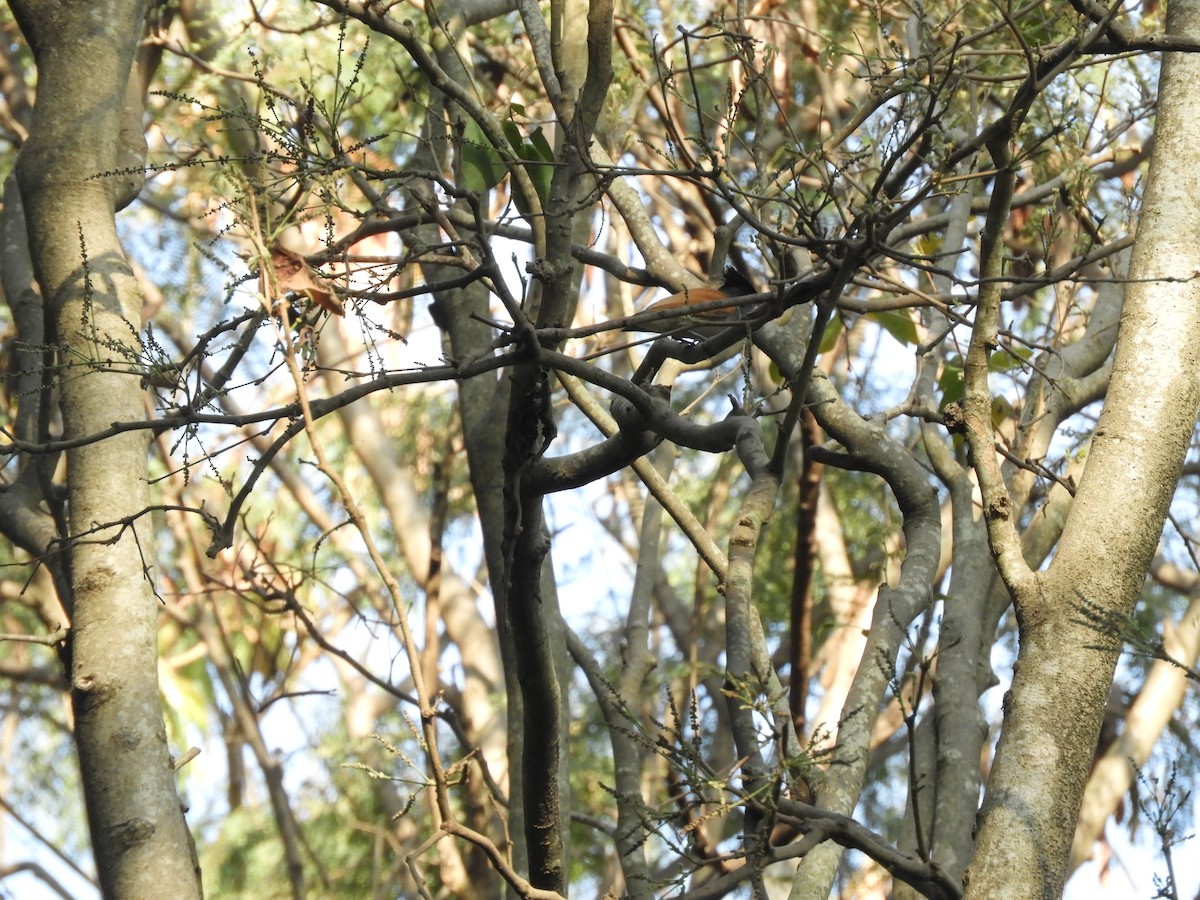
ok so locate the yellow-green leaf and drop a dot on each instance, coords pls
(832, 332)
(1006, 360)
(897, 324)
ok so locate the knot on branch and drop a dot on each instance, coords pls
(999, 509)
(955, 417)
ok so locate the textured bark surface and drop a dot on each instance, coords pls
(84, 55)
(1061, 682)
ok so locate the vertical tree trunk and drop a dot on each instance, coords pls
(1062, 676)
(83, 127)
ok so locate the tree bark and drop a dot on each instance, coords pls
(83, 127)
(1062, 677)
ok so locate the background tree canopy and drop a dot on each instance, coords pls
(341, 447)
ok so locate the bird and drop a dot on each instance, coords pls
(691, 313)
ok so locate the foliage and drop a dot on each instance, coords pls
(387, 267)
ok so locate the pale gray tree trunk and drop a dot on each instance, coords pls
(87, 122)
(1061, 681)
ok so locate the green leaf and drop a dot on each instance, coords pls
(829, 339)
(951, 383)
(541, 146)
(540, 150)
(513, 133)
(898, 325)
(541, 175)
(537, 153)
(483, 167)
(1007, 360)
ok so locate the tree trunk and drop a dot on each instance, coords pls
(83, 127)
(1061, 682)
